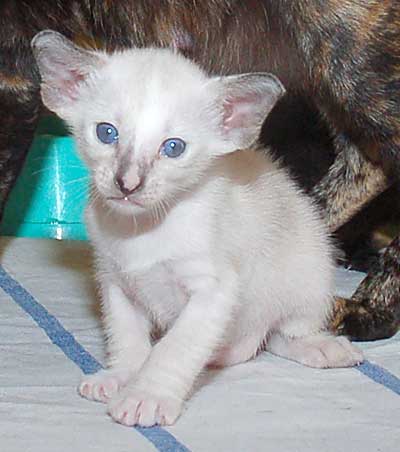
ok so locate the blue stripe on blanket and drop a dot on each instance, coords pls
(380, 375)
(59, 336)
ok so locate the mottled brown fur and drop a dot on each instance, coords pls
(351, 181)
(373, 310)
(342, 57)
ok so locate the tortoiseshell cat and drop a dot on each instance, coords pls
(342, 57)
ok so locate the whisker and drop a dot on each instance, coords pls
(78, 179)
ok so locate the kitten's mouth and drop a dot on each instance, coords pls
(125, 200)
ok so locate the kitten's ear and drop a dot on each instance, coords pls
(63, 66)
(247, 100)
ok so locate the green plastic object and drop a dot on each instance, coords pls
(50, 195)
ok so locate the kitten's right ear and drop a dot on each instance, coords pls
(63, 67)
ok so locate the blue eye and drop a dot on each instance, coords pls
(173, 147)
(107, 133)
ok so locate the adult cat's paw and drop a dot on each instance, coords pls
(103, 385)
(134, 406)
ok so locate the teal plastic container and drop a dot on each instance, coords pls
(50, 195)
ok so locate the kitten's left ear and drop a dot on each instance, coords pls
(63, 67)
(247, 100)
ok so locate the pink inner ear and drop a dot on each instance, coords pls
(239, 112)
(69, 84)
(65, 80)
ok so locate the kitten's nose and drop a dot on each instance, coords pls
(120, 183)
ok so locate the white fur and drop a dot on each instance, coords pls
(223, 254)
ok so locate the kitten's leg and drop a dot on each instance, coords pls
(128, 345)
(167, 377)
(237, 353)
(320, 349)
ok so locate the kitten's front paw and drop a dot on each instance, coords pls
(103, 385)
(133, 406)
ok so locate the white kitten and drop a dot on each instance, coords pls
(214, 247)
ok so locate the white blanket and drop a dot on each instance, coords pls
(50, 333)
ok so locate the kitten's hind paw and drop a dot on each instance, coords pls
(103, 385)
(321, 351)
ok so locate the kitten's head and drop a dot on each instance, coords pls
(149, 122)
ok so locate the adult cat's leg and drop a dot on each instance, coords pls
(351, 182)
(128, 345)
(373, 312)
(19, 111)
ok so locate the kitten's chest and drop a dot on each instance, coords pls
(159, 290)
(154, 267)
(146, 271)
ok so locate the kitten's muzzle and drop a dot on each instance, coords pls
(126, 190)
